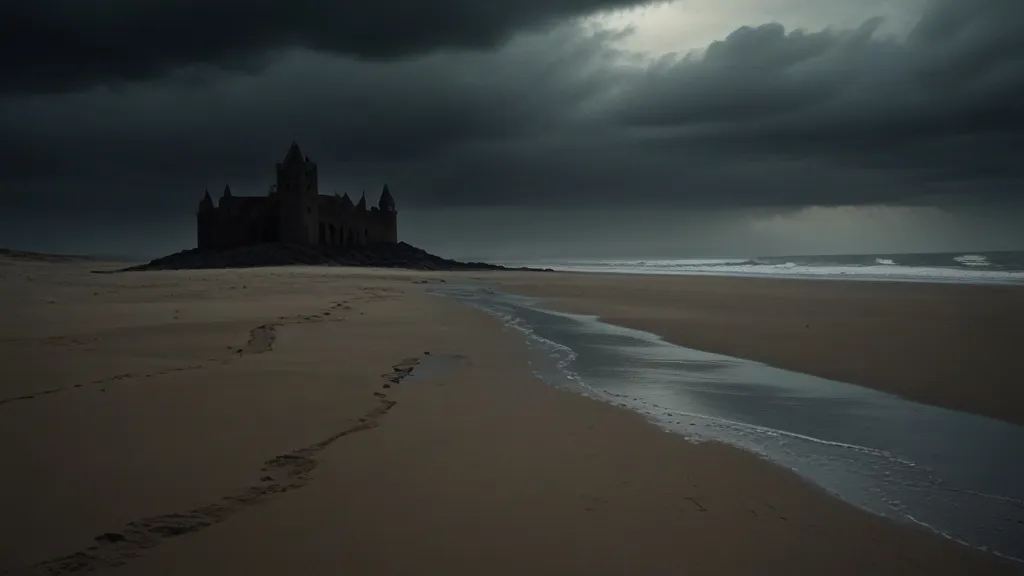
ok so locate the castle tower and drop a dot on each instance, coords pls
(389, 217)
(298, 193)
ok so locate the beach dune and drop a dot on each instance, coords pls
(326, 420)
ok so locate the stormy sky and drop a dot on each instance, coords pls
(526, 128)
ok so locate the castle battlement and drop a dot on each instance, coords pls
(295, 212)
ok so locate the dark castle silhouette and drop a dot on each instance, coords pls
(295, 213)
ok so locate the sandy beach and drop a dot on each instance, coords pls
(951, 345)
(327, 420)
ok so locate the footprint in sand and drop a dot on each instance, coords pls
(279, 474)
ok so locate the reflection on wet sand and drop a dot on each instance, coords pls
(955, 473)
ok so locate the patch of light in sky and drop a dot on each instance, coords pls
(686, 25)
(860, 229)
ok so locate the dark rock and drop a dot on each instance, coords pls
(400, 255)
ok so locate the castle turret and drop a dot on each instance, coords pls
(388, 217)
(225, 194)
(206, 204)
(386, 203)
(206, 222)
(361, 206)
(346, 202)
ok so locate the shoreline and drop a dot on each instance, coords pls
(943, 344)
(791, 420)
(811, 277)
(178, 394)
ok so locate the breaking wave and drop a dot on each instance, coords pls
(1003, 268)
(972, 260)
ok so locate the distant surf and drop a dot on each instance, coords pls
(975, 267)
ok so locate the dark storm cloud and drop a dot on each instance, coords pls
(59, 44)
(354, 113)
(949, 99)
(764, 117)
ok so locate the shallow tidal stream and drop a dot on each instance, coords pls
(959, 474)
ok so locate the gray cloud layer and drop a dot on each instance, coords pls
(560, 117)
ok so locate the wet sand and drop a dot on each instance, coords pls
(271, 421)
(955, 346)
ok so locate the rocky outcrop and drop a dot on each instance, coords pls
(400, 255)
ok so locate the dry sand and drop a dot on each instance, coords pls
(261, 422)
(952, 345)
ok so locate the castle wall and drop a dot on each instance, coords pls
(238, 222)
(346, 225)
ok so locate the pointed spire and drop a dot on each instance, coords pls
(387, 202)
(294, 154)
(207, 201)
(346, 201)
(227, 191)
(362, 202)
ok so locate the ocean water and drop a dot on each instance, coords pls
(971, 267)
(958, 474)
